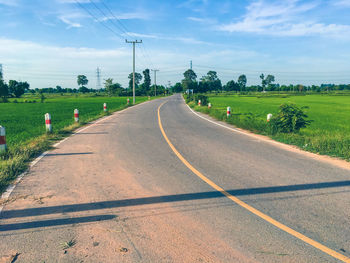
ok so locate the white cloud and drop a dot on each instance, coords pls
(188, 40)
(282, 19)
(128, 16)
(202, 20)
(48, 65)
(73, 1)
(9, 2)
(70, 19)
(341, 3)
(69, 23)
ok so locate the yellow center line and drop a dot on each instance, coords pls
(256, 212)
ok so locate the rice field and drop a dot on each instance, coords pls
(25, 121)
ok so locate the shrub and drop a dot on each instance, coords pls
(290, 119)
(204, 99)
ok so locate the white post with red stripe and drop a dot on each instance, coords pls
(104, 106)
(128, 101)
(76, 115)
(209, 105)
(2, 139)
(48, 122)
(269, 116)
(199, 102)
(228, 111)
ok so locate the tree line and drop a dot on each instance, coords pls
(211, 83)
(12, 89)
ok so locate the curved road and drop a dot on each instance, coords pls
(121, 194)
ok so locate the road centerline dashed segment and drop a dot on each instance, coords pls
(251, 209)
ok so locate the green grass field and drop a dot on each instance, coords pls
(24, 121)
(329, 133)
(25, 126)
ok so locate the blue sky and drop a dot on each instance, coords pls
(49, 43)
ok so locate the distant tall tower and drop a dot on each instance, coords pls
(98, 78)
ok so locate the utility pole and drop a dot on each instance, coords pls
(98, 78)
(133, 67)
(1, 75)
(155, 81)
(191, 64)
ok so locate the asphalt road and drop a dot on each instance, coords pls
(121, 194)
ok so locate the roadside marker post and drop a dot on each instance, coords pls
(2, 139)
(128, 101)
(76, 115)
(269, 116)
(209, 105)
(149, 97)
(228, 111)
(104, 106)
(199, 102)
(48, 122)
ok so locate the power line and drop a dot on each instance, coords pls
(125, 30)
(93, 16)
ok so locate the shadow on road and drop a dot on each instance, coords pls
(63, 154)
(55, 222)
(87, 133)
(164, 199)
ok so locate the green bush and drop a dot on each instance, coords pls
(204, 99)
(290, 119)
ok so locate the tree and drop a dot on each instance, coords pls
(242, 82)
(146, 80)
(18, 88)
(59, 89)
(138, 78)
(4, 90)
(263, 81)
(112, 88)
(190, 75)
(232, 86)
(82, 80)
(210, 82)
(83, 89)
(177, 88)
(269, 79)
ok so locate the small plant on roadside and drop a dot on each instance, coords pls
(68, 244)
(290, 119)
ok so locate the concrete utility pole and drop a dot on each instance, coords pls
(133, 67)
(155, 81)
(191, 64)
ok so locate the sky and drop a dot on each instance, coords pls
(49, 43)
